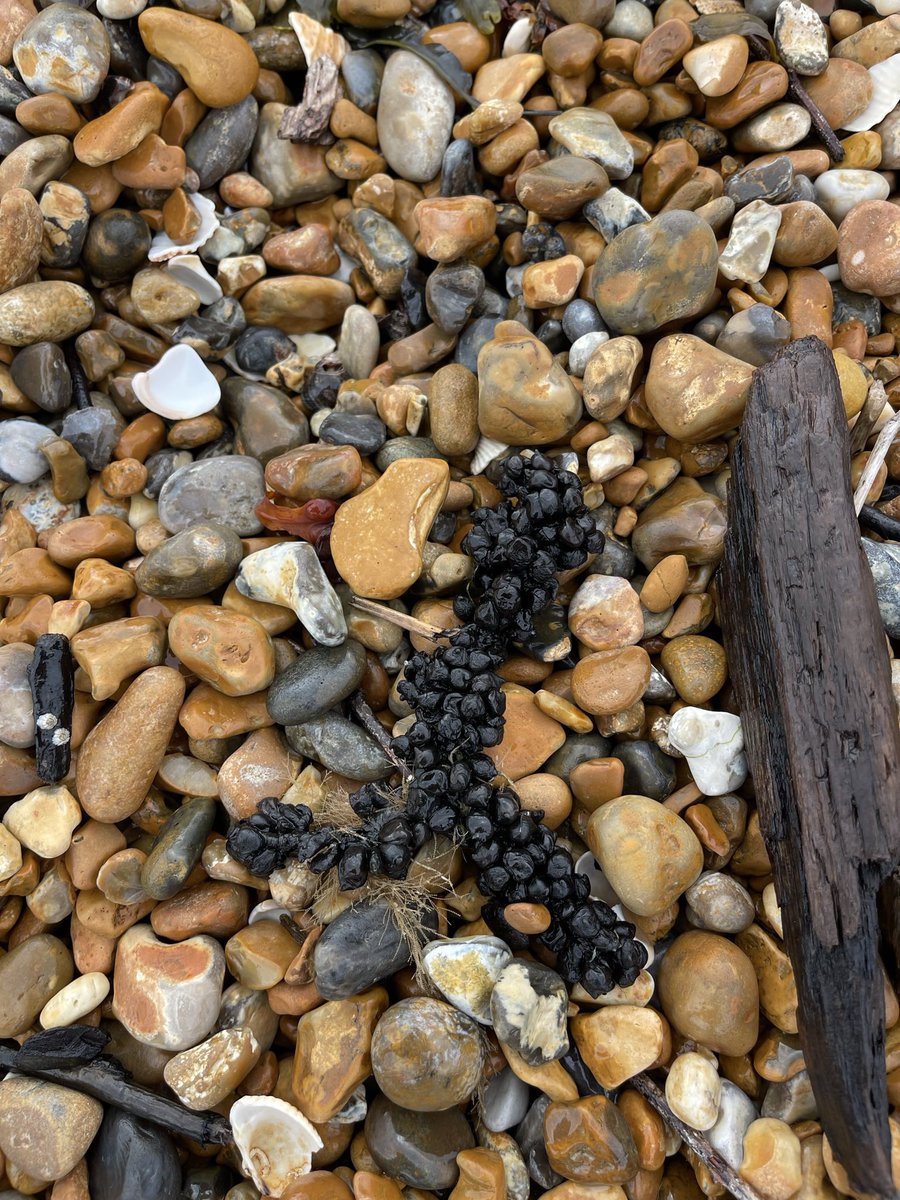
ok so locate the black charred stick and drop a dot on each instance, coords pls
(879, 522)
(806, 646)
(81, 392)
(52, 675)
(104, 1080)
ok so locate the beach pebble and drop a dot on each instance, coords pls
(67, 1120)
(291, 575)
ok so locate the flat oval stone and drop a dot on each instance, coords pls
(683, 520)
(64, 51)
(121, 755)
(16, 706)
(49, 311)
(362, 945)
(167, 995)
(177, 848)
(221, 142)
(266, 422)
(225, 490)
(30, 975)
(662, 270)
(191, 563)
(315, 682)
(228, 649)
(297, 303)
(339, 745)
(312, 471)
(21, 233)
(67, 1120)
(40, 371)
(216, 63)
(708, 990)
(133, 1160)
(415, 117)
(419, 1149)
(379, 536)
(426, 1056)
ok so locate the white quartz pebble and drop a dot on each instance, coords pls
(609, 457)
(736, 1112)
(692, 1090)
(75, 1000)
(751, 242)
(44, 820)
(842, 189)
(713, 744)
(291, 575)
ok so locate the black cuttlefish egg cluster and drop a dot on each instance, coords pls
(518, 548)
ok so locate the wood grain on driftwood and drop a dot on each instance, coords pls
(806, 648)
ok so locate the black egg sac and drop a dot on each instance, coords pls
(518, 548)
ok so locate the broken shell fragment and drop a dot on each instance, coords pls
(180, 386)
(275, 1140)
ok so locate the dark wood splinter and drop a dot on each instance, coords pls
(52, 675)
(806, 647)
(308, 121)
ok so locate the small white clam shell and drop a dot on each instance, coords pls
(179, 386)
(162, 247)
(518, 40)
(275, 1140)
(485, 452)
(885, 78)
(189, 270)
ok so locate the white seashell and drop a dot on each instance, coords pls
(713, 744)
(315, 40)
(189, 270)
(600, 885)
(885, 78)
(120, 10)
(464, 970)
(162, 247)
(179, 386)
(518, 40)
(485, 452)
(267, 910)
(275, 1140)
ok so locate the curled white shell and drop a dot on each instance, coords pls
(885, 78)
(485, 452)
(518, 40)
(275, 1140)
(179, 386)
(162, 247)
(189, 270)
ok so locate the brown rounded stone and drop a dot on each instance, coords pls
(694, 391)
(548, 793)
(116, 650)
(99, 536)
(67, 1121)
(217, 64)
(841, 92)
(426, 1056)
(332, 1052)
(806, 235)
(259, 954)
(308, 472)
(207, 713)
(30, 975)
(21, 230)
(122, 129)
(708, 990)
(453, 409)
(217, 908)
(524, 397)
(450, 227)
(561, 187)
(697, 667)
(228, 650)
(32, 572)
(610, 681)
(761, 85)
(121, 755)
(869, 248)
(529, 735)
(589, 1141)
(297, 303)
(597, 781)
(619, 1041)
(306, 251)
(683, 520)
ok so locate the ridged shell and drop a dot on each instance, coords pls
(885, 78)
(275, 1140)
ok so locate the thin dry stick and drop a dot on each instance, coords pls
(403, 620)
(372, 725)
(712, 1160)
(876, 457)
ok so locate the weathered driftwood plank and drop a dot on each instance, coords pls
(806, 648)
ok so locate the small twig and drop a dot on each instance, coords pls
(102, 1080)
(403, 620)
(879, 522)
(372, 725)
(877, 455)
(868, 415)
(308, 121)
(799, 93)
(720, 1170)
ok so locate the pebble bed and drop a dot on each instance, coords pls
(450, 308)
